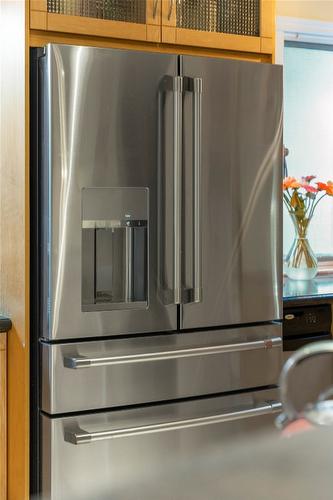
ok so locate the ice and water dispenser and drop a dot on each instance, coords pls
(114, 248)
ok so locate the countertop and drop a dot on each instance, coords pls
(317, 290)
(5, 324)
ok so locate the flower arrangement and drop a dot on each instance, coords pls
(301, 198)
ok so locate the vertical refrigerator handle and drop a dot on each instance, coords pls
(177, 194)
(178, 85)
(197, 131)
(174, 86)
(194, 86)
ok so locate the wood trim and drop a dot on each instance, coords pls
(38, 20)
(166, 5)
(41, 38)
(168, 34)
(98, 27)
(3, 416)
(153, 33)
(217, 40)
(150, 7)
(266, 45)
(38, 5)
(267, 18)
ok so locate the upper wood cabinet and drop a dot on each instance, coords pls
(241, 25)
(245, 25)
(127, 19)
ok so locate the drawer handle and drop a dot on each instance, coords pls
(76, 362)
(80, 436)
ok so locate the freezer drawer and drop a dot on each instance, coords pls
(103, 374)
(97, 456)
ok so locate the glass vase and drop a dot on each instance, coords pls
(301, 262)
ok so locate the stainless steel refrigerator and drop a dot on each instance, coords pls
(156, 261)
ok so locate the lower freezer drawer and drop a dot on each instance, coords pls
(102, 455)
(80, 376)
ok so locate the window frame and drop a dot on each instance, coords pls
(319, 34)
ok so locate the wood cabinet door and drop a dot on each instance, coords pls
(246, 25)
(130, 20)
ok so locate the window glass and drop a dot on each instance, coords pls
(308, 133)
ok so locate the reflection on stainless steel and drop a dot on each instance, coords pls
(81, 436)
(174, 441)
(241, 202)
(79, 376)
(97, 140)
(257, 468)
(159, 221)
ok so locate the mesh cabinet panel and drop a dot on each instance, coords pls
(131, 11)
(239, 17)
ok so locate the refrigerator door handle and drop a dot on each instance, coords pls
(77, 361)
(197, 128)
(174, 84)
(81, 436)
(194, 86)
(177, 196)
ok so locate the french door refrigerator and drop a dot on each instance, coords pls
(156, 261)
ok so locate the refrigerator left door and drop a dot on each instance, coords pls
(107, 172)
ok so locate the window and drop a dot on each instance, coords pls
(308, 134)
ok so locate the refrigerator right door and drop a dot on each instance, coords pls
(232, 192)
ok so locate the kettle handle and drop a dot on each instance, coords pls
(308, 351)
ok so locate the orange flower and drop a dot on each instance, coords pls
(326, 187)
(290, 182)
(329, 189)
(321, 186)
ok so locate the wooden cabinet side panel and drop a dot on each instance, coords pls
(14, 235)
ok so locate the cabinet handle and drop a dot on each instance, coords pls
(80, 436)
(75, 362)
(155, 8)
(170, 9)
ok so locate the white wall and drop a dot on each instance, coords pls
(309, 9)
